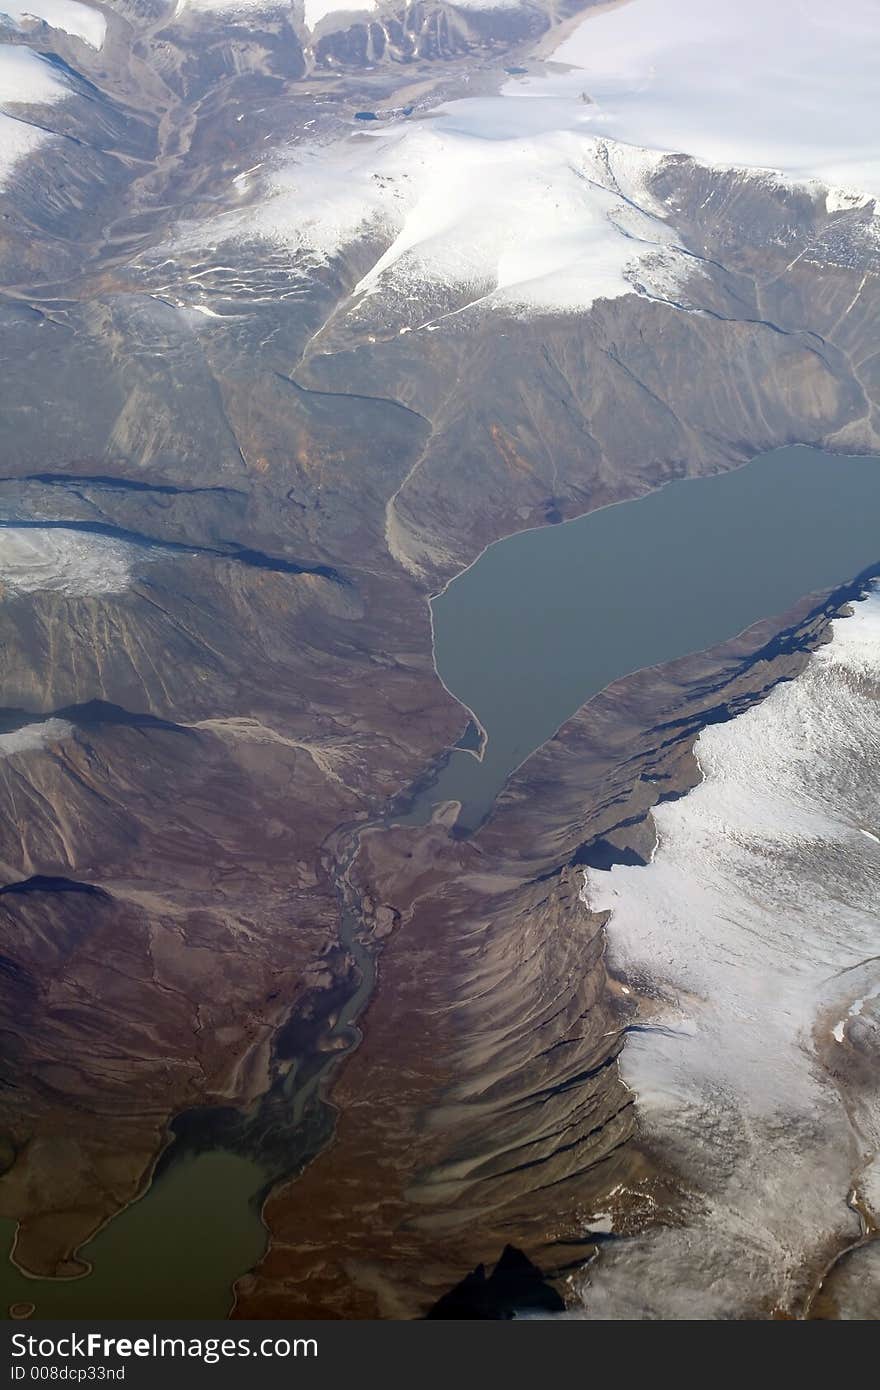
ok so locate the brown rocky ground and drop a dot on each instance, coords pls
(483, 1105)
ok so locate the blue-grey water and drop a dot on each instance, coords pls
(544, 620)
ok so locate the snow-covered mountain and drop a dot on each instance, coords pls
(540, 197)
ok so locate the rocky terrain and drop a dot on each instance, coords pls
(231, 480)
(485, 1099)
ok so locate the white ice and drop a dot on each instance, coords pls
(316, 10)
(81, 21)
(25, 78)
(753, 929)
(37, 559)
(34, 736)
(788, 85)
(17, 141)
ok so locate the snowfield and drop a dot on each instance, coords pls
(37, 559)
(25, 78)
(755, 936)
(316, 10)
(491, 202)
(34, 737)
(71, 17)
(790, 85)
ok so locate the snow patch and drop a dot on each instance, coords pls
(602, 1224)
(34, 737)
(17, 141)
(844, 200)
(25, 78)
(37, 560)
(316, 10)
